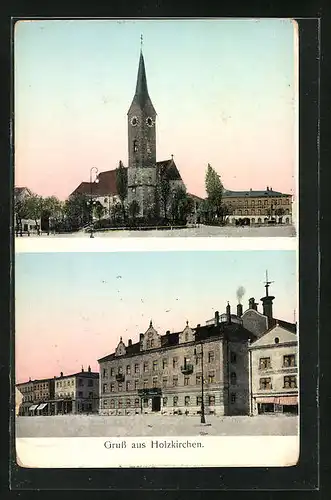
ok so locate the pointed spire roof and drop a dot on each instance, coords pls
(141, 95)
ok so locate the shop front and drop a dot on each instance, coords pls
(150, 399)
(277, 404)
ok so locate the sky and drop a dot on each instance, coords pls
(72, 308)
(224, 92)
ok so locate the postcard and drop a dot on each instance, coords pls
(157, 359)
(155, 128)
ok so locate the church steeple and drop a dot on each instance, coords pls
(141, 97)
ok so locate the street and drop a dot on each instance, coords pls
(201, 231)
(155, 425)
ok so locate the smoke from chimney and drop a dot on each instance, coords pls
(240, 293)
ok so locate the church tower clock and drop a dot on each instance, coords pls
(142, 146)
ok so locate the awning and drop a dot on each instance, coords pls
(42, 406)
(279, 400)
(33, 407)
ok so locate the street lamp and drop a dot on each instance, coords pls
(91, 196)
(203, 419)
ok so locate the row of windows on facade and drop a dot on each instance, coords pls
(198, 380)
(67, 383)
(155, 364)
(72, 394)
(253, 212)
(251, 203)
(289, 360)
(165, 401)
(290, 382)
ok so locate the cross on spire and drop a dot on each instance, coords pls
(141, 42)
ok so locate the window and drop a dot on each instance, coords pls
(120, 370)
(211, 356)
(136, 368)
(290, 382)
(154, 381)
(186, 336)
(104, 373)
(246, 212)
(128, 403)
(112, 387)
(186, 380)
(152, 343)
(137, 402)
(211, 377)
(289, 360)
(175, 400)
(264, 363)
(104, 388)
(233, 397)
(90, 394)
(154, 366)
(211, 400)
(199, 400)
(80, 394)
(128, 383)
(253, 203)
(259, 203)
(120, 403)
(174, 362)
(112, 403)
(233, 357)
(233, 377)
(145, 384)
(105, 403)
(164, 363)
(198, 358)
(187, 401)
(128, 370)
(80, 382)
(265, 203)
(72, 382)
(120, 387)
(135, 146)
(175, 381)
(136, 383)
(164, 381)
(112, 372)
(265, 383)
(89, 383)
(145, 367)
(165, 401)
(145, 403)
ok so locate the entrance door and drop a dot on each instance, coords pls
(156, 403)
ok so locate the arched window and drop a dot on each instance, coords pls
(135, 146)
(112, 403)
(233, 378)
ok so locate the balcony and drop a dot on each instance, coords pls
(186, 369)
(120, 377)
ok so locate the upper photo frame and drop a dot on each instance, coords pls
(156, 128)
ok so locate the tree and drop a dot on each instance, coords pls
(134, 209)
(164, 190)
(116, 211)
(181, 204)
(77, 210)
(34, 208)
(122, 185)
(214, 189)
(20, 213)
(53, 210)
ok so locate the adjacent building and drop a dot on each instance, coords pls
(75, 393)
(23, 224)
(259, 207)
(274, 379)
(171, 373)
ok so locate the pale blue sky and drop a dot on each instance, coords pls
(71, 308)
(215, 84)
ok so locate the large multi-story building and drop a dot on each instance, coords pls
(171, 373)
(259, 207)
(26, 390)
(274, 372)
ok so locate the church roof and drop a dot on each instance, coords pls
(169, 167)
(105, 187)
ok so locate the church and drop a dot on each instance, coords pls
(145, 175)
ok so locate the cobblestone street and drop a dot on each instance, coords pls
(154, 425)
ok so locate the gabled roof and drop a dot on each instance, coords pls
(105, 187)
(253, 194)
(168, 168)
(283, 335)
(21, 191)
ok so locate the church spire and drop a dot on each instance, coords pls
(141, 95)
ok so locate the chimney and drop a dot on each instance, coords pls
(252, 304)
(267, 188)
(82, 368)
(228, 313)
(168, 332)
(141, 337)
(267, 307)
(129, 342)
(217, 318)
(61, 374)
(198, 325)
(239, 310)
(89, 369)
